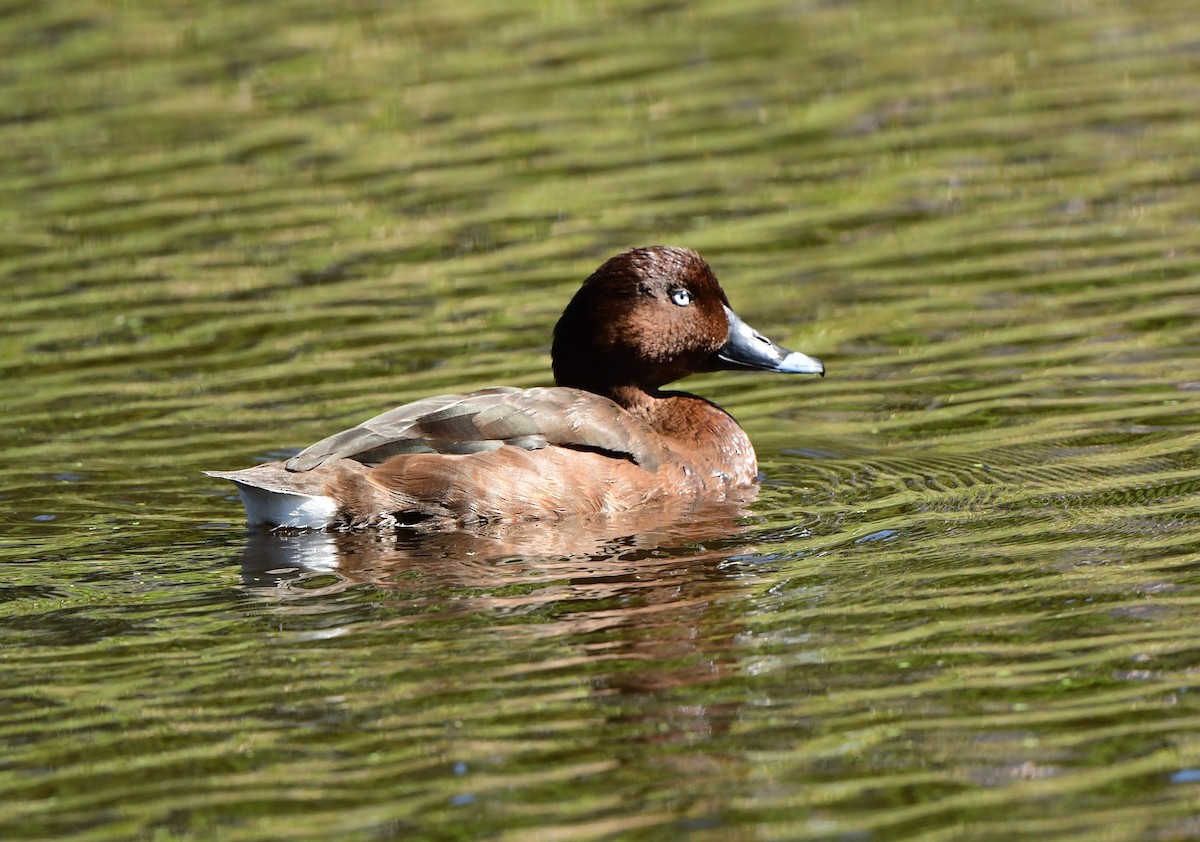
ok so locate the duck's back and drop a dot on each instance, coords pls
(488, 420)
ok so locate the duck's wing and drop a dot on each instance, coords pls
(489, 419)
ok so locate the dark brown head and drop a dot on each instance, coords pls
(652, 315)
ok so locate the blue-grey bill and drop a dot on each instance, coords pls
(748, 349)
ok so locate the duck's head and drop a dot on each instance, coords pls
(652, 315)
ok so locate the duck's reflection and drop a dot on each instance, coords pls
(642, 591)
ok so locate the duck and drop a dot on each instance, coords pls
(606, 438)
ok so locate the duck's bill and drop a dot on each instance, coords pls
(747, 349)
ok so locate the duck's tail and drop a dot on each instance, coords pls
(274, 496)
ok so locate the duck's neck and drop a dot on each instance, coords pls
(700, 430)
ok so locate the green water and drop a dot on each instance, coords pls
(963, 606)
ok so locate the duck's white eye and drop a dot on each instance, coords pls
(681, 297)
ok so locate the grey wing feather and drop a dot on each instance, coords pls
(574, 418)
(488, 419)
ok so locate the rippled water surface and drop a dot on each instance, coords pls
(964, 605)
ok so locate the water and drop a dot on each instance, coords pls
(962, 605)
